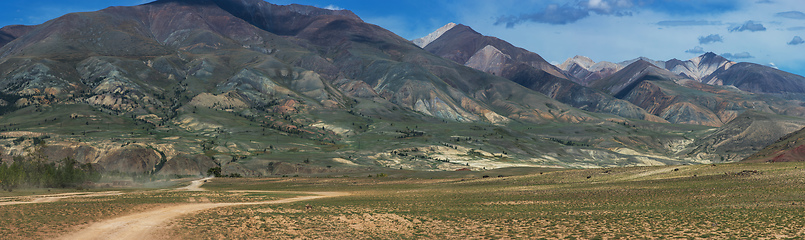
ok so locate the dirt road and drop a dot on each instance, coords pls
(650, 173)
(143, 225)
(56, 197)
(195, 185)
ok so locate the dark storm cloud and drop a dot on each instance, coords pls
(710, 39)
(748, 26)
(796, 41)
(740, 55)
(791, 14)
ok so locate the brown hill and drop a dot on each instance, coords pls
(9, 33)
(756, 78)
(623, 81)
(745, 135)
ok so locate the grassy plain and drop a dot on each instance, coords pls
(54, 219)
(724, 201)
(673, 202)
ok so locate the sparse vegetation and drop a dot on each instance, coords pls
(428, 148)
(215, 171)
(699, 201)
(627, 203)
(68, 173)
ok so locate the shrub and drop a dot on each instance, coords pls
(216, 171)
(37, 173)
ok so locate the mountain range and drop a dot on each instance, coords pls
(489, 54)
(707, 90)
(175, 87)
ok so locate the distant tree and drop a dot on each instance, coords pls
(216, 171)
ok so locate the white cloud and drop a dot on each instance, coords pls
(599, 5)
(737, 56)
(333, 7)
(748, 26)
(791, 14)
(796, 41)
(710, 39)
(677, 23)
(696, 50)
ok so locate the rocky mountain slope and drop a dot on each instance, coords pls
(147, 89)
(464, 45)
(747, 107)
(746, 134)
(789, 148)
(623, 81)
(756, 78)
(175, 87)
(585, 70)
(681, 100)
(709, 68)
(700, 67)
(424, 41)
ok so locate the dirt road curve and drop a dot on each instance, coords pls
(142, 225)
(195, 185)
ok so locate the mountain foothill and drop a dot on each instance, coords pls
(178, 87)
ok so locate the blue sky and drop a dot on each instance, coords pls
(767, 32)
